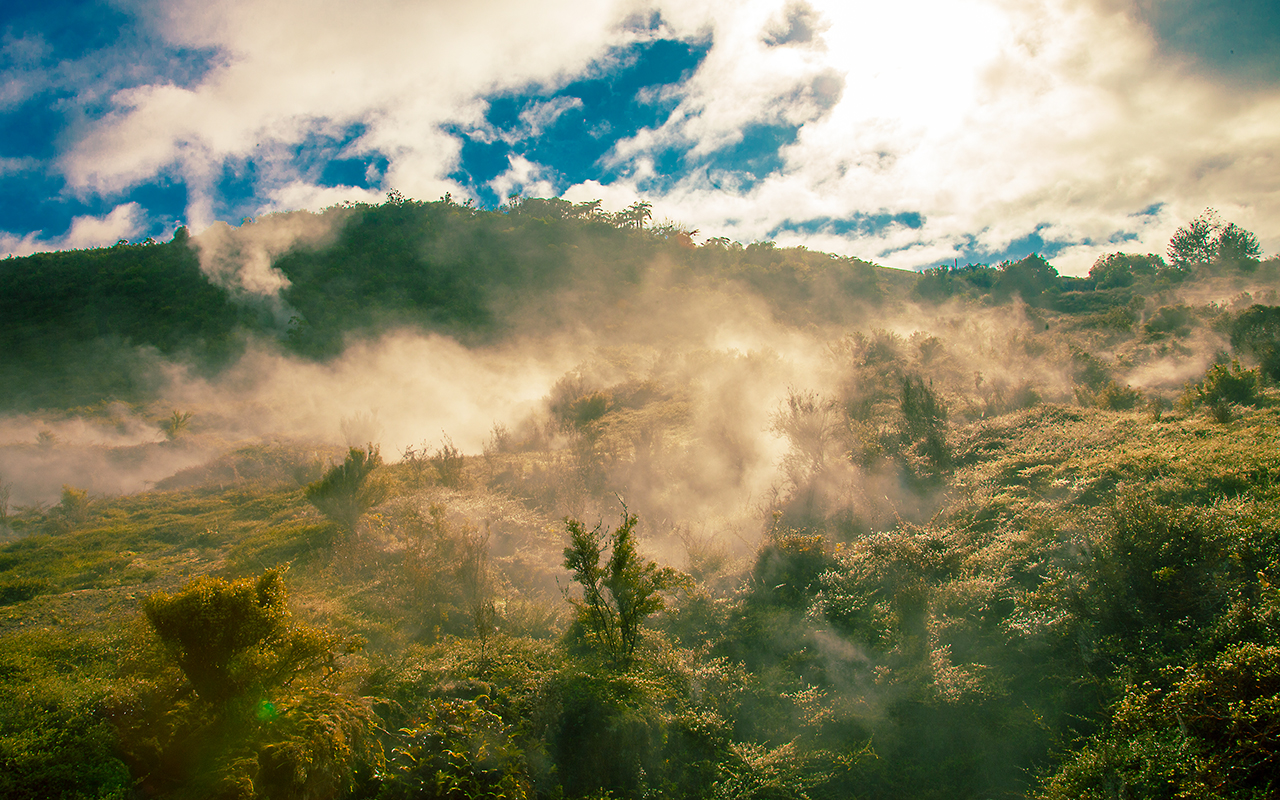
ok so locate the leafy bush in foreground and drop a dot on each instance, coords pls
(251, 719)
(458, 749)
(231, 638)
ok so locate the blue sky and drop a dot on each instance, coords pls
(911, 134)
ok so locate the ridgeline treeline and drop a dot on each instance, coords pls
(81, 325)
(1022, 539)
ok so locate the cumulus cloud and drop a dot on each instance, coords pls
(523, 177)
(121, 223)
(292, 68)
(993, 122)
(990, 121)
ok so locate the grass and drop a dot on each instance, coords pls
(988, 612)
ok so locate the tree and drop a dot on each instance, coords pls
(1030, 277)
(635, 215)
(1120, 269)
(1236, 247)
(1111, 271)
(618, 595)
(1193, 244)
(345, 492)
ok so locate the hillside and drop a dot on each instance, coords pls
(417, 500)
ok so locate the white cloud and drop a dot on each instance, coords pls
(540, 116)
(88, 231)
(992, 119)
(293, 67)
(523, 177)
(303, 196)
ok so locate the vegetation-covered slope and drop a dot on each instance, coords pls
(858, 536)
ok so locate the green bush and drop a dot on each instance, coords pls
(55, 742)
(74, 508)
(232, 702)
(1111, 396)
(923, 431)
(346, 491)
(1223, 385)
(448, 575)
(1207, 730)
(234, 638)
(618, 594)
(1170, 321)
(449, 463)
(1256, 333)
(314, 745)
(788, 567)
(608, 732)
(457, 750)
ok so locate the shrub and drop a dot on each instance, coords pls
(757, 772)
(231, 637)
(175, 424)
(810, 426)
(74, 508)
(449, 575)
(616, 595)
(54, 739)
(1202, 731)
(449, 462)
(458, 749)
(345, 492)
(1223, 385)
(788, 567)
(1162, 565)
(1173, 321)
(258, 724)
(1256, 333)
(924, 429)
(1111, 396)
(607, 734)
(317, 746)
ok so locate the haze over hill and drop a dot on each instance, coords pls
(423, 319)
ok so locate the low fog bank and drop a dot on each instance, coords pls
(716, 388)
(694, 404)
(115, 450)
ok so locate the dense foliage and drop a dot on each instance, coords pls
(85, 325)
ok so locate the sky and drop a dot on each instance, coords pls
(912, 134)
